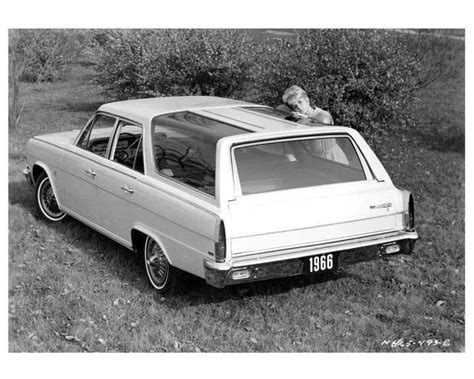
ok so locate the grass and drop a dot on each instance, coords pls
(71, 289)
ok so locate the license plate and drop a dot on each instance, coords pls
(321, 263)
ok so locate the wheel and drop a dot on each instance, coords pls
(161, 274)
(46, 199)
(408, 246)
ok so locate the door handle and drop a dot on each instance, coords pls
(384, 205)
(90, 172)
(127, 189)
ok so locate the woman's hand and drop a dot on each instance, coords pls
(298, 115)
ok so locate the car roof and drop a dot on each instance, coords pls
(243, 115)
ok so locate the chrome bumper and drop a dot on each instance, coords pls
(28, 176)
(291, 263)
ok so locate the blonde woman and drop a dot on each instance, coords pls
(297, 100)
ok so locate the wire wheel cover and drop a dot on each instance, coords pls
(156, 263)
(48, 200)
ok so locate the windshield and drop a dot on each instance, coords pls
(296, 163)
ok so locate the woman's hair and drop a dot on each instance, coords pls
(292, 92)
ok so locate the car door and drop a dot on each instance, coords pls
(119, 185)
(82, 166)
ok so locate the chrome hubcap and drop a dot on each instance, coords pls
(156, 263)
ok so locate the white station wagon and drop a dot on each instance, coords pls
(226, 190)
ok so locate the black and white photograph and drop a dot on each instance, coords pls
(186, 190)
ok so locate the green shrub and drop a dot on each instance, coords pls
(367, 79)
(364, 78)
(141, 63)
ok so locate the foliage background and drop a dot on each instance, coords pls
(367, 78)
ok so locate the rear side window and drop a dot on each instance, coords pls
(128, 149)
(297, 163)
(185, 148)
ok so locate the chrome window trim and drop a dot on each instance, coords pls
(184, 186)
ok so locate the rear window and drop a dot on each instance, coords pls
(185, 148)
(297, 163)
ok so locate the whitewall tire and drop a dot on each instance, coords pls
(161, 274)
(46, 199)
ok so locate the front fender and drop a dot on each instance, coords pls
(44, 156)
(52, 178)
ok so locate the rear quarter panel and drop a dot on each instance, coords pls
(182, 225)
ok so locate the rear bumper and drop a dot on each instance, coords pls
(279, 264)
(28, 174)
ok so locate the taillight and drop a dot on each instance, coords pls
(411, 214)
(219, 244)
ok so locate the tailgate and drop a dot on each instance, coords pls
(306, 216)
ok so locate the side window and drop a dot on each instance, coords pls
(129, 147)
(184, 148)
(96, 136)
(185, 157)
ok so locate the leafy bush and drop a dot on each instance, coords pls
(366, 78)
(141, 63)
